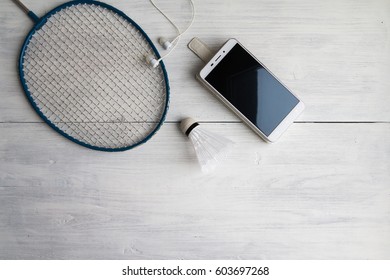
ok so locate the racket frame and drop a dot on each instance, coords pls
(39, 23)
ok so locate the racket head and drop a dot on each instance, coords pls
(40, 24)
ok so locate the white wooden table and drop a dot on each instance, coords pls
(322, 192)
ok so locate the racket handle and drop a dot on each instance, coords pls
(33, 16)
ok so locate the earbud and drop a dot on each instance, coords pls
(165, 43)
(150, 58)
(151, 61)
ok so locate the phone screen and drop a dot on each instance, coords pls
(249, 87)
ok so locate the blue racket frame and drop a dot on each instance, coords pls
(39, 22)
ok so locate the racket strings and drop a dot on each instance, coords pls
(84, 129)
(73, 107)
(130, 45)
(85, 72)
(111, 47)
(126, 45)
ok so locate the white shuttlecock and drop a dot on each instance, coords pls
(210, 148)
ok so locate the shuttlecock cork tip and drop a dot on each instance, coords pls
(188, 124)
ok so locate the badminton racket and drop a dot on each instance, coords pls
(82, 68)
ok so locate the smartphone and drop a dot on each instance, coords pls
(248, 88)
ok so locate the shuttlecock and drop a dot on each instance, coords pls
(210, 148)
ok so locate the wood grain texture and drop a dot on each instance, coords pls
(334, 54)
(322, 192)
(327, 199)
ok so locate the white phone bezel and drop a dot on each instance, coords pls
(215, 60)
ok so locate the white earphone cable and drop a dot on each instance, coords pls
(176, 40)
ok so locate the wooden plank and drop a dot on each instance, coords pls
(334, 54)
(321, 192)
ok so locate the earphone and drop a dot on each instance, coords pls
(164, 42)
